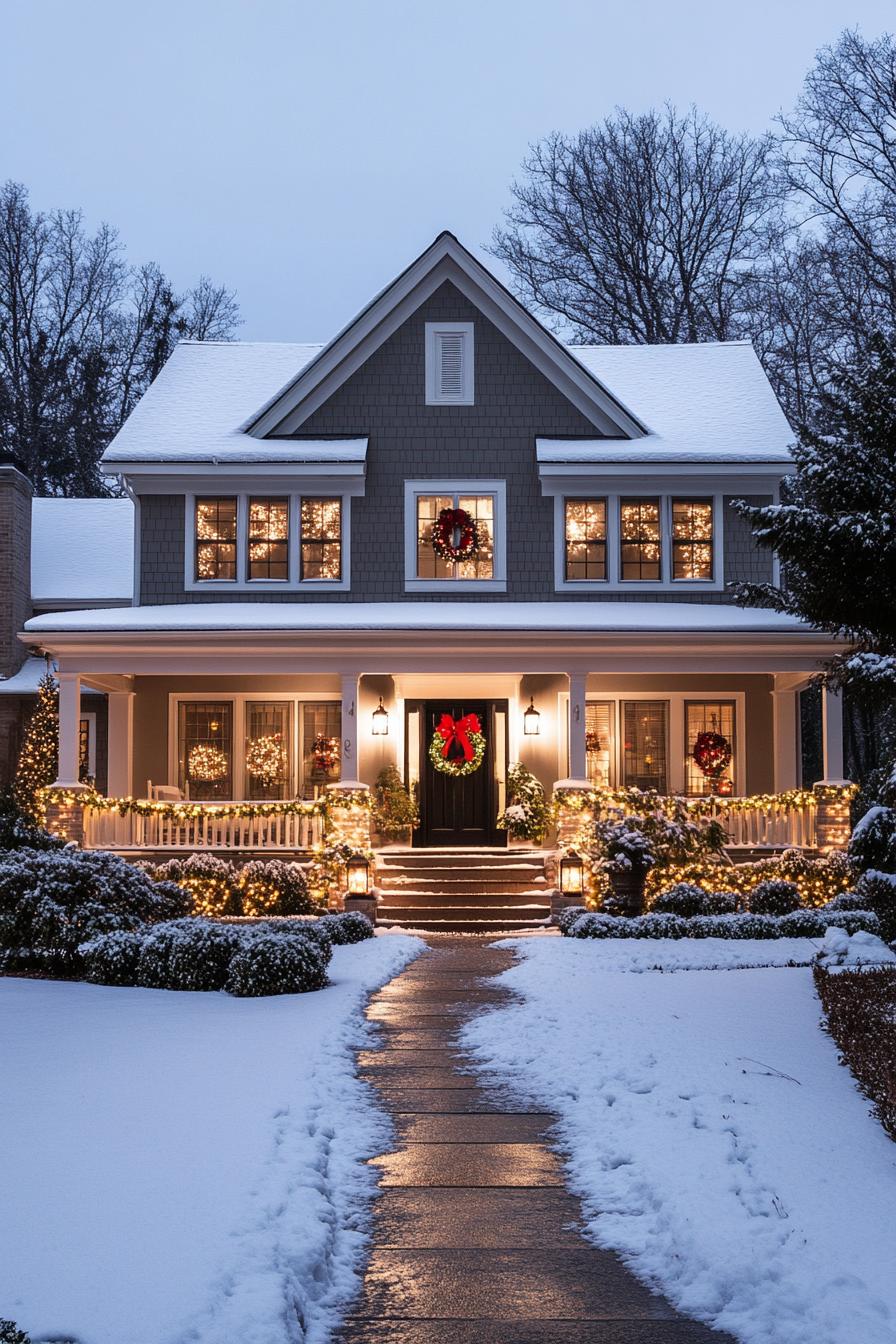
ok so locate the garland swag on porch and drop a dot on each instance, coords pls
(170, 811)
(458, 746)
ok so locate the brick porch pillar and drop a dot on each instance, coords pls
(832, 820)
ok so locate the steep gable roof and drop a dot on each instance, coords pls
(445, 259)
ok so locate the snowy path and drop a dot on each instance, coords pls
(711, 1133)
(186, 1168)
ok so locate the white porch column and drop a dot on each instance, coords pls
(121, 744)
(832, 735)
(69, 729)
(786, 730)
(578, 765)
(350, 726)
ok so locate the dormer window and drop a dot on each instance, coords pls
(449, 363)
(215, 539)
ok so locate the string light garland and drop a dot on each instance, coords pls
(266, 758)
(207, 763)
(597, 800)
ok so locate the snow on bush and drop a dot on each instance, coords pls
(199, 957)
(686, 899)
(878, 890)
(565, 919)
(774, 897)
(271, 963)
(873, 842)
(797, 924)
(348, 927)
(210, 881)
(274, 887)
(860, 1011)
(858, 949)
(111, 959)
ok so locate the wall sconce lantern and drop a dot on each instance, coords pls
(381, 720)
(531, 719)
(357, 872)
(572, 874)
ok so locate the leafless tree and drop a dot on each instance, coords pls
(81, 336)
(642, 229)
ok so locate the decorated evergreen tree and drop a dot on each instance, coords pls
(39, 756)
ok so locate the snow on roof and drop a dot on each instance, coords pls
(710, 400)
(198, 405)
(82, 550)
(28, 678)
(537, 617)
(701, 401)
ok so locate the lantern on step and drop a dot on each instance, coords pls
(572, 874)
(531, 719)
(380, 720)
(357, 874)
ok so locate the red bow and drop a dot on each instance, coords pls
(458, 730)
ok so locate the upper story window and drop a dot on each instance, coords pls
(585, 539)
(321, 539)
(269, 539)
(692, 529)
(216, 539)
(426, 569)
(269, 543)
(641, 539)
(449, 363)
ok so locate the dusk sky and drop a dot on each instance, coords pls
(304, 153)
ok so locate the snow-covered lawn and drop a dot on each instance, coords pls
(181, 1166)
(713, 1136)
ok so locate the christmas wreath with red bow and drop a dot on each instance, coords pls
(712, 754)
(458, 745)
(455, 535)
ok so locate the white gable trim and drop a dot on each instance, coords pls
(445, 260)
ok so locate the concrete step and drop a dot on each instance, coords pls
(460, 858)
(490, 925)
(496, 914)
(448, 900)
(443, 884)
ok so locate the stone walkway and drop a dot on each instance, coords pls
(475, 1239)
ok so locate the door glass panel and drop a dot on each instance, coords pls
(267, 757)
(321, 745)
(708, 716)
(599, 742)
(644, 744)
(205, 749)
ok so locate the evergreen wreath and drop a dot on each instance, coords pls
(712, 754)
(455, 536)
(458, 746)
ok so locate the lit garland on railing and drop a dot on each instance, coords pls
(791, 800)
(189, 811)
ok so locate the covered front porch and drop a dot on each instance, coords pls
(231, 740)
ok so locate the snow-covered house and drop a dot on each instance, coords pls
(442, 511)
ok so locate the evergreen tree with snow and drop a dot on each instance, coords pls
(38, 759)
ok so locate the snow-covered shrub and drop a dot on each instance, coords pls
(860, 1008)
(157, 947)
(625, 847)
(11, 1334)
(210, 881)
(348, 927)
(660, 926)
(847, 900)
(592, 925)
(274, 887)
(566, 918)
(271, 963)
(878, 891)
(873, 842)
(721, 903)
(112, 958)
(18, 831)
(684, 898)
(315, 929)
(814, 923)
(526, 815)
(199, 956)
(775, 897)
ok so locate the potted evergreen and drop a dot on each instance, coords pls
(526, 815)
(395, 812)
(627, 856)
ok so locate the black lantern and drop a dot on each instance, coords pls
(380, 720)
(531, 719)
(357, 872)
(572, 874)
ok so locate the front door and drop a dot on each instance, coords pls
(459, 810)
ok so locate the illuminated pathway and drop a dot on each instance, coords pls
(475, 1239)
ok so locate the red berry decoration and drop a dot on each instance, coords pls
(712, 753)
(455, 536)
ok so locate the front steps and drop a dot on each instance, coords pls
(462, 890)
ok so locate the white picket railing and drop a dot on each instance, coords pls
(201, 830)
(769, 825)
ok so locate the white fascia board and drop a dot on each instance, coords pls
(638, 480)
(344, 479)
(445, 260)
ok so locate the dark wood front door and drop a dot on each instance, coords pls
(458, 811)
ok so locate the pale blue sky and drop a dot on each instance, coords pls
(304, 153)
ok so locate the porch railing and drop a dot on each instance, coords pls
(104, 829)
(768, 824)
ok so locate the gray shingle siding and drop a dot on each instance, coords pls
(493, 439)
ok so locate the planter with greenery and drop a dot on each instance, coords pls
(526, 815)
(395, 813)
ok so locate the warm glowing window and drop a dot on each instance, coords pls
(268, 754)
(321, 745)
(599, 716)
(640, 535)
(644, 733)
(481, 509)
(215, 539)
(586, 539)
(709, 716)
(204, 749)
(268, 539)
(321, 542)
(692, 539)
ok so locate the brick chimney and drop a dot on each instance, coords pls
(15, 562)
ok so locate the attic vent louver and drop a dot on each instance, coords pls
(449, 363)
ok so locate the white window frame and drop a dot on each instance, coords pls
(90, 719)
(238, 700)
(242, 583)
(433, 396)
(498, 582)
(614, 583)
